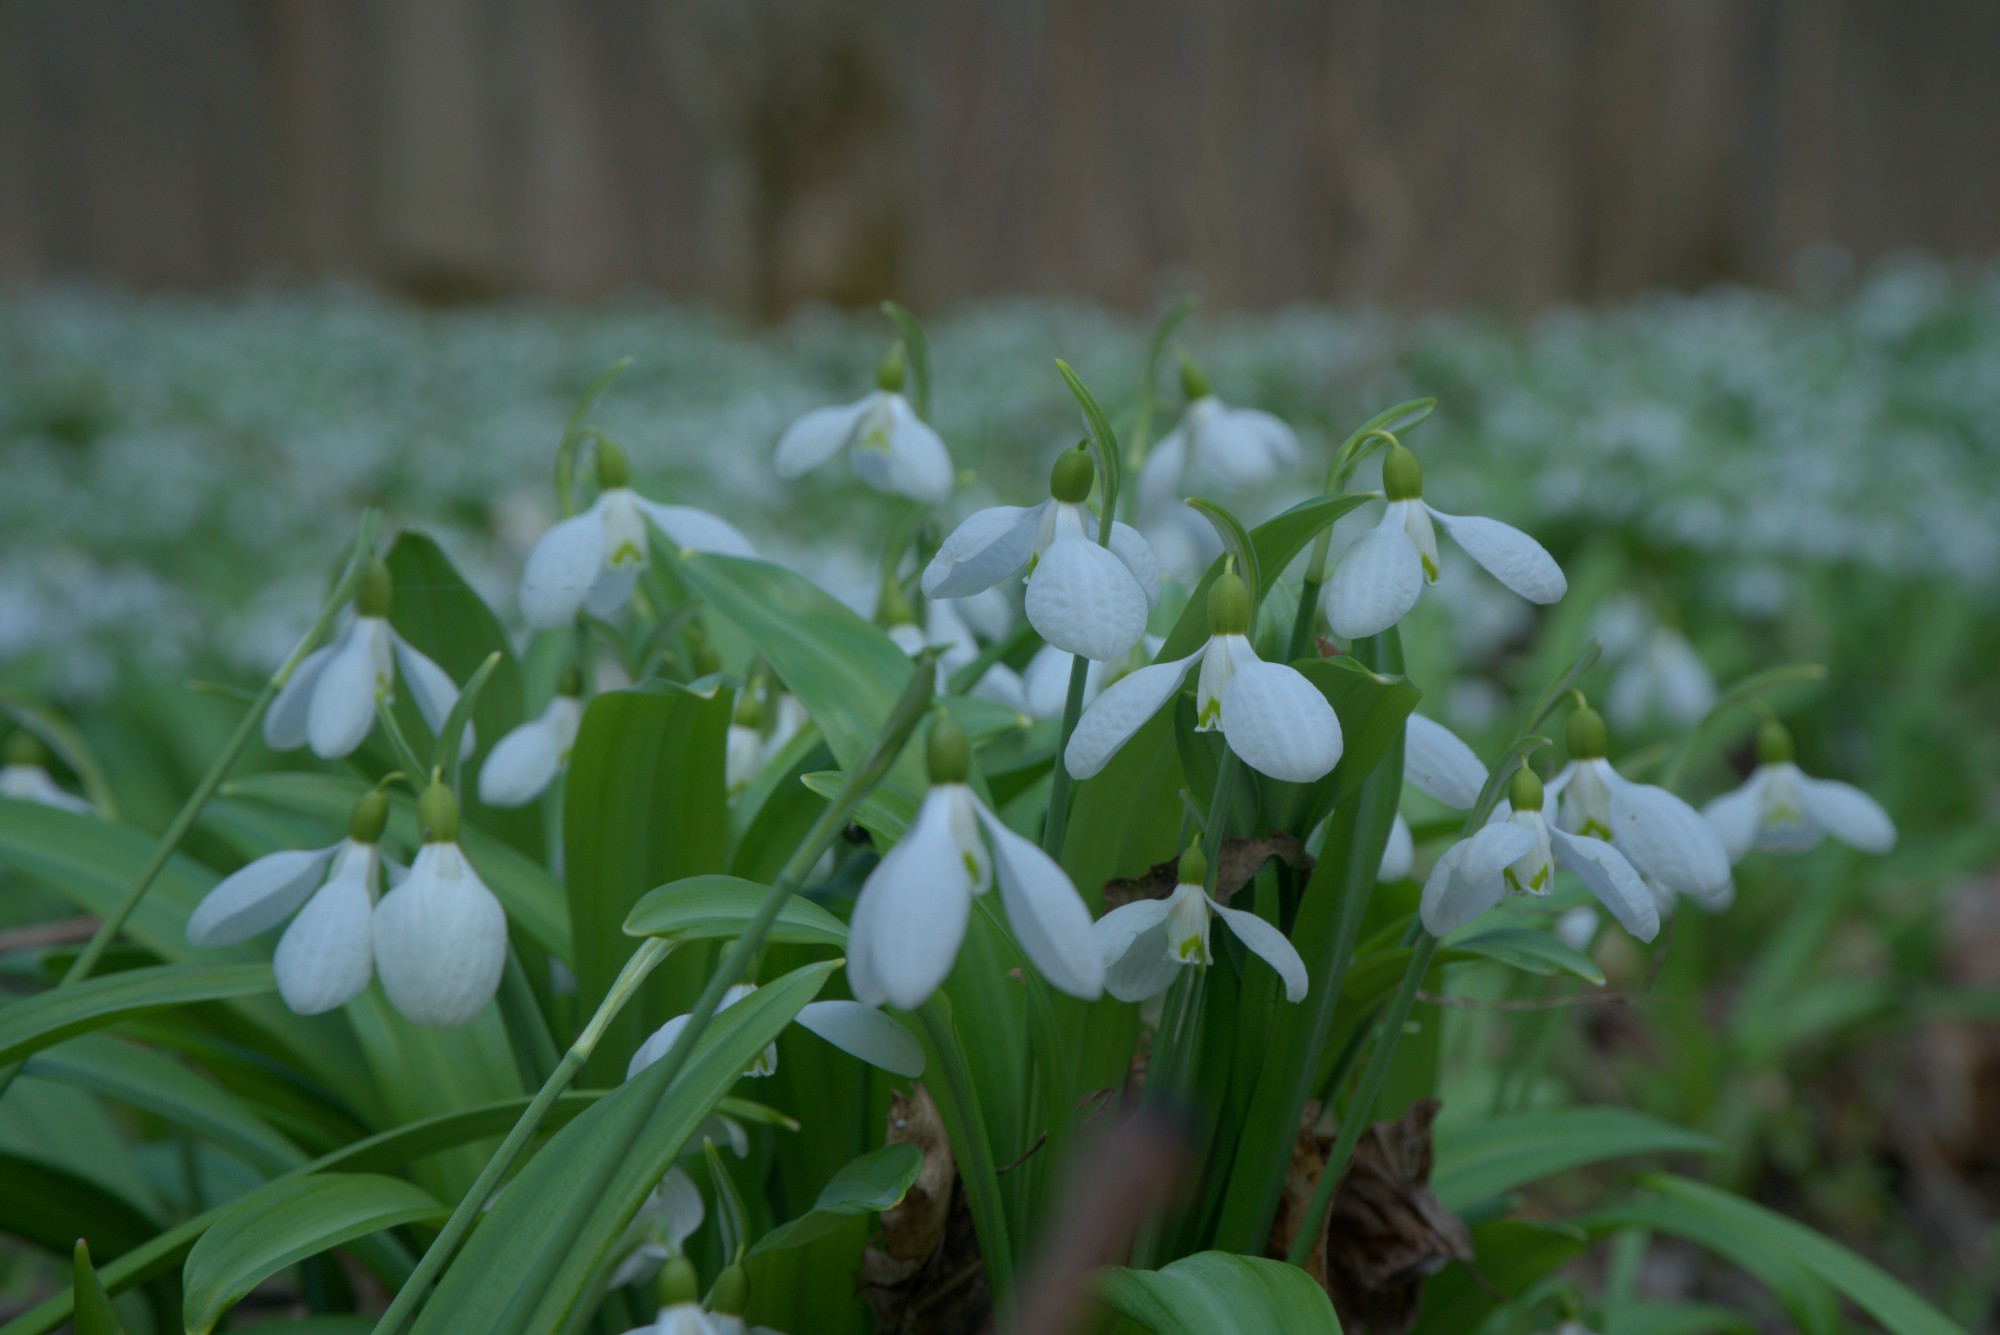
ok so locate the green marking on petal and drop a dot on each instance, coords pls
(628, 554)
(1592, 829)
(1430, 568)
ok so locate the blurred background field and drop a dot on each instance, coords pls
(1706, 293)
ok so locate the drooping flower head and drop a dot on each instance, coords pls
(1378, 579)
(1082, 598)
(25, 776)
(528, 759)
(1275, 720)
(912, 912)
(330, 700)
(1214, 449)
(1146, 943)
(1437, 763)
(1780, 809)
(325, 958)
(892, 449)
(440, 935)
(592, 561)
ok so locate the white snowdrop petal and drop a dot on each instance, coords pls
(1278, 722)
(1002, 685)
(1242, 448)
(988, 613)
(817, 437)
(1268, 944)
(431, 690)
(1847, 813)
(693, 530)
(1045, 682)
(1374, 584)
(1466, 881)
(327, 955)
(1608, 876)
(1665, 838)
(1146, 969)
(987, 547)
(1440, 765)
(1399, 854)
(562, 569)
(680, 1208)
(1131, 547)
(1736, 815)
(657, 1045)
(916, 464)
(1159, 480)
(611, 592)
(1084, 599)
(1509, 555)
(343, 702)
(1122, 709)
(1046, 912)
(258, 897)
(864, 1032)
(440, 940)
(521, 766)
(285, 720)
(1117, 930)
(32, 783)
(911, 914)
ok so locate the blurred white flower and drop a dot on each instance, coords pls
(1779, 808)
(530, 757)
(892, 449)
(1145, 944)
(1214, 449)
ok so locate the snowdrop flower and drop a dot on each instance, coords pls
(858, 1030)
(1275, 720)
(912, 911)
(1779, 809)
(1045, 681)
(591, 561)
(945, 631)
(1214, 448)
(1378, 579)
(529, 758)
(1519, 850)
(1663, 837)
(1661, 677)
(440, 935)
(1440, 765)
(324, 959)
(667, 1218)
(1145, 943)
(26, 778)
(892, 449)
(1082, 598)
(329, 702)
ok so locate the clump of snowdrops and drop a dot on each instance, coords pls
(695, 1012)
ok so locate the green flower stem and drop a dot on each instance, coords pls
(1354, 1119)
(1058, 823)
(643, 961)
(975, 1154)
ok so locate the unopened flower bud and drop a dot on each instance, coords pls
(706, 660)
(612, 470)
(1774, 743)
(1194, 866)
(749, 710)
(437, 815)
(1070, 479)
(570, 683)
(731, 1293)
(377, 588)
(892, 608)
(1194, 381)
(1228, 605)
(947, 750)
(678, 1283)
(369, 818)
(1586, 736)
(1524, 790)
(889, 373)
(1402, 475)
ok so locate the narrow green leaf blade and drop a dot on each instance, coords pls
(869, 1185)
(1217, 1293)
(46, 1020)
(700, 907)
(1482, 1159)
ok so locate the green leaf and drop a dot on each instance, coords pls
(869, 1185)
(1640, 1316)
(93, 1306)
(1531, 951)
(1510, 1256)
(700, 907)
(52, 1207)
(917, 349)
(1478, 1160)
(1103, 440)
(282, 1223)
(1217, 1293)
(644, 803)
(47, 1019)
(1235, 542)
(1374, 709)
(1276, 541)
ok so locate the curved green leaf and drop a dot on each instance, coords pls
(1235, 541)
(1217, 1293)
(47, 1019)
(699, 907)
(1478, 1160)
(869, 1185)
(1104, 441)
(52, 1207)
(1511, 1255)
(1531, 951)
(1276, 541)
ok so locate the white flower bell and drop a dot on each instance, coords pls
(1271, 716)
(1780, 809)
(528, 759)
(1214, 448)
(858, 1030)
(25, 778)
(1519, 851)
(329, 702)
(912, 912)
(892, 449)
(1663, 837)
(1146, 943)
(1082, 598)
(592, 561)
(440, 935)
(1378, 579)
(325, 958)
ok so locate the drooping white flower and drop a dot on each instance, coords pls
(329, 702)
(1660, 835)
(1378, 579)
(1045, 681)
(1275, 720)
(1214, 449)
(440, 935)
(1780, 809)
(325, 958)
(1145, 943)
(1519, 851)
(25, 778)
(1662, 678)
(592, 561)
(1082, 598)
(892, 449)
(912, 912)
(530, 757)
(858, 1030)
